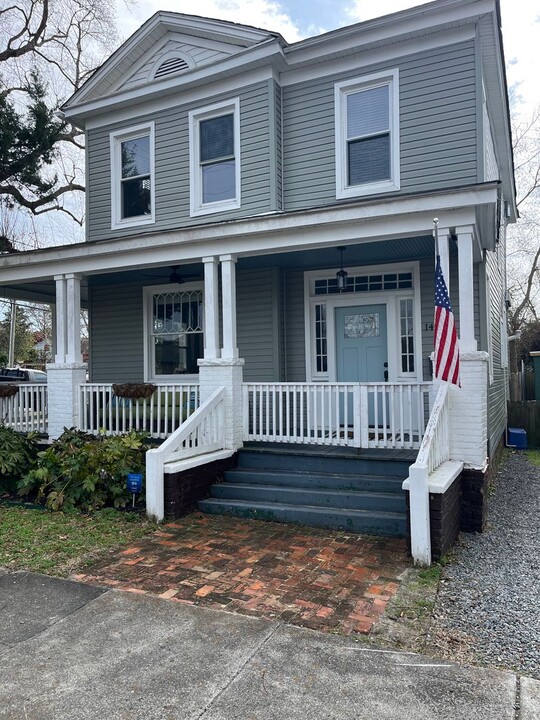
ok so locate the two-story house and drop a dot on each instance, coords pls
(261, 247)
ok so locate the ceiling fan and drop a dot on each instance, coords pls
(178, 278)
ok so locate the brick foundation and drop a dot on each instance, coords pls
(183, 490)
(444, 516)
(475, 486)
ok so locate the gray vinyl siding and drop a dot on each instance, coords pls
(199, 56)
(172, 166)
(438, 131)
(116, 333)
(295, 326)
(497, 390)
(257, 303)
(491, 168)
(279, 145)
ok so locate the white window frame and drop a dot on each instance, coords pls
(341, 91)
(149, 358)
(197, 207)
(116, 139)
(390, 298)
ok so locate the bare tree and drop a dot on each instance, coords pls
(524, 236)
(48, 49)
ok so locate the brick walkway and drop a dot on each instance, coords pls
(320, 579)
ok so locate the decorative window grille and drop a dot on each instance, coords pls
(177, 331)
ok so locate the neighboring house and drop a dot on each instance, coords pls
(225, 170)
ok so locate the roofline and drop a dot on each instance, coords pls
(253, 34)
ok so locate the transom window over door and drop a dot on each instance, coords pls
(132, 176)
(175, 331)
(367, 135)
(214, 137)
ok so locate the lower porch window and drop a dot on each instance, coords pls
(176, 332)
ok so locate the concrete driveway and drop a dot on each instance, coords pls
(70, 651)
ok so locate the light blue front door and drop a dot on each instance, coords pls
(361, 347)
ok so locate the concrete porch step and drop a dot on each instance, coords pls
(389, 524)
(315, 480)
(324, 462)
(355, 500)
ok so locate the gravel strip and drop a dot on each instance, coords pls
(489, 597)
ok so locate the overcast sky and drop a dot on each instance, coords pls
(297, 19)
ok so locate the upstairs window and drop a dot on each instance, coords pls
(214, 138)
(367, 135)
(132, 176)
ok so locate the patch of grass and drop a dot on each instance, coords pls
(430, 576)
(534, 456)
(58, 542)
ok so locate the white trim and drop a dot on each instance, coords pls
(258, 235)
(342, 89)
(116, 138)
(149, 360)
(489, 326)
(372, 56)
(195, 117)
(389, 298)
(442, 478)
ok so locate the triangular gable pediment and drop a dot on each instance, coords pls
(183, 42)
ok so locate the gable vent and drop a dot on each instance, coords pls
(170, 66)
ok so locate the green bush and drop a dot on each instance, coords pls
(18, 455)
(84, 471)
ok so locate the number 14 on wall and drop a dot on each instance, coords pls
(428, 326)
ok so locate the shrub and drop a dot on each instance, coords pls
(18, 455)
(84, 471)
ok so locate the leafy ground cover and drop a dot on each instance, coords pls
(58, 543)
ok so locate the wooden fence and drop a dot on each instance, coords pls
(526, 415)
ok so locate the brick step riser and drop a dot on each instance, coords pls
(252, 476)
(317, 463)
(359, 522)
(300, 496)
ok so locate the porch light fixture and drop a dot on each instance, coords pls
(341, 275)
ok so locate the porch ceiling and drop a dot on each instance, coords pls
(39, 292)
(371, 253)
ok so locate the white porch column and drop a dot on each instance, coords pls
(228, 304)
(468, 406)
(467, 340)
(211, 308)
(61, 319)
(226, 371)
(67, 372)
(73, 303)
(443, 236)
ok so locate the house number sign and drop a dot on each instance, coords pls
(362, 326)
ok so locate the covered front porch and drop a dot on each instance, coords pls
(260, 343)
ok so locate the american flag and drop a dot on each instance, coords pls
(446, 342)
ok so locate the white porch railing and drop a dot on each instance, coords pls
(198, 437)
(160, 415)
(366, 415)
(434, 451)
(26, 411)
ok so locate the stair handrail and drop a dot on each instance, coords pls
(434, 450)
(202, 433)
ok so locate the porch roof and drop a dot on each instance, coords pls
(371, 220)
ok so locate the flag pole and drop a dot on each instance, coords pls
(436, 236)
